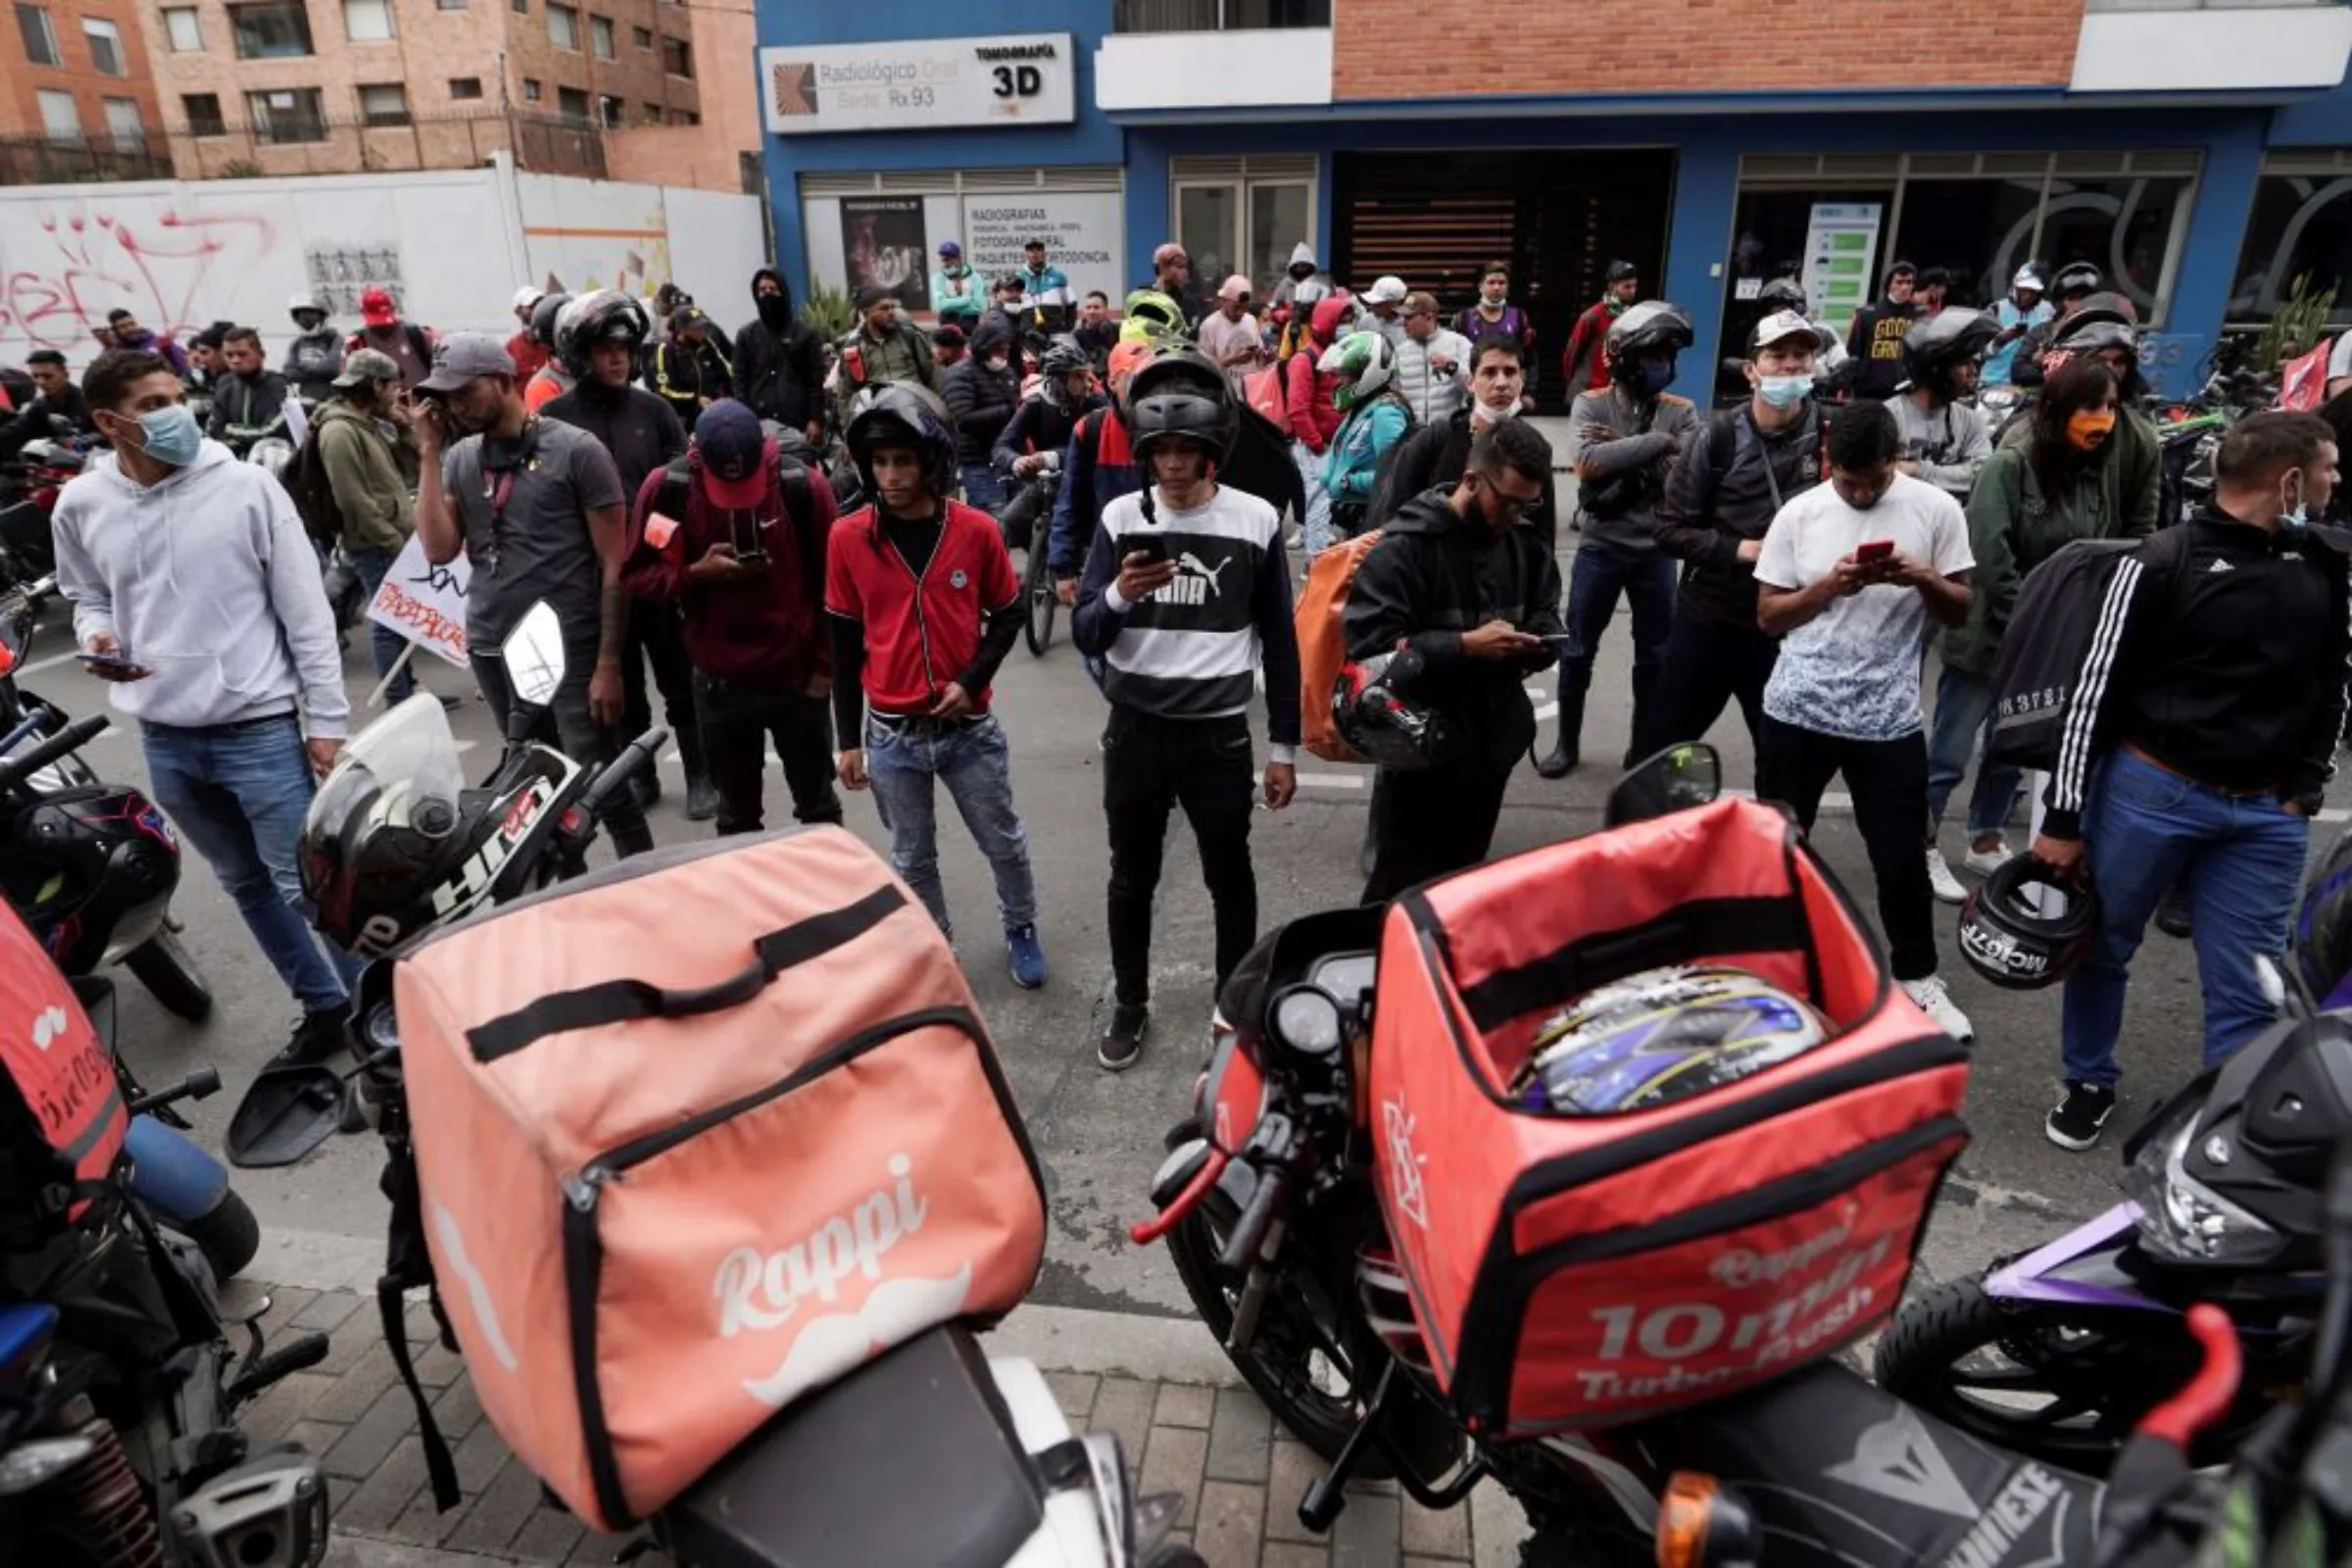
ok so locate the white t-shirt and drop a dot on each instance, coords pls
(1853, 670)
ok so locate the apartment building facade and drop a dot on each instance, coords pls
(2198, 151)
(77, 99)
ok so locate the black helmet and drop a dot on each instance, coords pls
(1652, 326)
(606, 315)
(543, 318)
(2007, 938)
(2077, 277)
(1062, 356)
(1619, 272)
(1782, 294)
(2323, 948)
(1373, 708)
(903, 413)
(1180, 395)
(1938, 344)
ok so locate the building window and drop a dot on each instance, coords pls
(287, 114)
(368, 21)
(1246, 222)
(677, 57)
(59, 120)
(564, 26)
(612, 113)
(203, 112)
(40, 39)
(461, 87)
(182, 27)
(642, 37)
(385, 104)
(122, 126)
(2301, 231)
(599, 37)
(106, 46)
(277, 30)
(572, 104)
(1216, 16)
(530, 89)
(684, 117)
(653, 114)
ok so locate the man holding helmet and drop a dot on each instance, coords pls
(924, 607)
(1944, 438)
(1625, 436)
(598, 340)
(1186, 594)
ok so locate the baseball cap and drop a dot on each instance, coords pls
(947, 247)
(376, 307)
(1235, 287)
(462, 357)
(1779, 327)
(1386, 291)
(733, 446)
(369, 365)
(873, 294)
(2028, 277)
(528, 296)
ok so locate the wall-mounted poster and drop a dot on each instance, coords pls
(882, 241)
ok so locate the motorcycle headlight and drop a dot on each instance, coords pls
(2180, 1218)
(383, 1027)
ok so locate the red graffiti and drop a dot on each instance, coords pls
(434, 629)
(164, 276)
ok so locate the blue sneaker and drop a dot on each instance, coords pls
(1028, 956)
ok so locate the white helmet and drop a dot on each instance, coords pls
(305, 301)
(528, 296)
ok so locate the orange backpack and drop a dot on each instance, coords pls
(1323, 642)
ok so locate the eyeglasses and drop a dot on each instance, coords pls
(1510, 505)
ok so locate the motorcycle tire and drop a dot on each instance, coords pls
(2099, 1370)
(228, 1237)
(165, 969)
(1321, 1420)
(1042, 605)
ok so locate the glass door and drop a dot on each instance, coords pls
(1208, 226)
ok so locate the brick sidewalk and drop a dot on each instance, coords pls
(1215, 1446)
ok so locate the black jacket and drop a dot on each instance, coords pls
(1712, 505)
(31, 422)
(1435, 455)
(684, 375)
(980, 404)
(1260, 463)
(639, 429)
(246, 411)
(1039, 425)
(2227, 664)
(1434, 576)
(780, 374)
(1874, 346)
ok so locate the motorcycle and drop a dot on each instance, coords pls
(1006, 1480)
(28, 489)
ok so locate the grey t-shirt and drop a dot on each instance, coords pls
(537, 546)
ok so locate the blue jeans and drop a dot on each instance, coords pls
(983, 487)
(1595, 579)
(384, 643)
(1963, 715)
(972, 758)
(237, 792)
(1314, 529)
(2242, 858)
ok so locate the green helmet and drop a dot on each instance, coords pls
(1155, 318)
(1365, 363)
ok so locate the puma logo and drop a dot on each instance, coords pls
(1195, 582)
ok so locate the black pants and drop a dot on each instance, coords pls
(1202, 764)
(1599, 575)
(656, 636)
(1888, 783)
(1709, 663)
(1426, 824)
(578, 736)
(737, 722)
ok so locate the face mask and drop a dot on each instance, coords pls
(2084, 431)
(1493, 417)
(2298, 516)
(994, 362)
(1649, 379)
(170, 435)
(1785, 391)
(775, 311)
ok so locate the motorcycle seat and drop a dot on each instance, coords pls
(1839, 1471)
(914, 1458)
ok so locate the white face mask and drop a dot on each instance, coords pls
(1490, 415)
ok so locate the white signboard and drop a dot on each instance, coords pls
(1080, 228)
(426, 602)
(1022, 80)
(1842, 248)
(893, 240)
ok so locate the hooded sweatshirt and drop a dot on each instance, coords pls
(779, 363)
(1306, 391)
(208, 579)
(1302, 291)
(363, 468)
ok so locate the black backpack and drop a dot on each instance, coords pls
(304, 479)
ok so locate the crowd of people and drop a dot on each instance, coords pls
(809, 544)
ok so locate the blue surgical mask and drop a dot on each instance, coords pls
(1785, 391)
(170, 435)
(1650, 378)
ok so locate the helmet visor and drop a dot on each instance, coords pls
(403, 759)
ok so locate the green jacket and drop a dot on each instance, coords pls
(2013, 527)
(363, 470)
(903, 356)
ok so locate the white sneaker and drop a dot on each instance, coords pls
(1940, 881)
(1984, 862)
(1936, 1003)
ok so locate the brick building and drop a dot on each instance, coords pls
(77, 101)
(340, 87)
(2198, 151)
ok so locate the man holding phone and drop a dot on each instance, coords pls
(1851, 576)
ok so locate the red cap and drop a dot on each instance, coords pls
(376, 307)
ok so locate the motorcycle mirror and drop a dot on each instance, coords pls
(1676, 779)
(288, 1112)
(534, 655)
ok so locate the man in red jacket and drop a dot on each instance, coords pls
(741, 540)
(1306, 403)
(1584, 366)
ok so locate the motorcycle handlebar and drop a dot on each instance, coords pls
(636, 757)
(15, 770)
(1249, 1231)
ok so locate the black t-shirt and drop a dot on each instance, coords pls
(914, 539)
(639, 430)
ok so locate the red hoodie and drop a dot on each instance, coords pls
(1306, 390)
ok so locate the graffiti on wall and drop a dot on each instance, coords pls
(66, 274)
(339, 274)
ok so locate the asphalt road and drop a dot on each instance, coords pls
(1099, 1135)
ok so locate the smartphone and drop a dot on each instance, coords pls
(749, 551)
(109, 662)
(1150, 546)
(1871, 551)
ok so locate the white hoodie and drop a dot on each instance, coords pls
(208, 579)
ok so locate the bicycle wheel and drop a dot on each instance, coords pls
(1038, 584)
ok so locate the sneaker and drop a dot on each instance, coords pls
(1935, 1000)
(1940, 881)
(2171, 916)
(702, 800)
(2076, 1121)
(1123, 1041)
(1984, 862)
(1027, 956)
(317, 1038)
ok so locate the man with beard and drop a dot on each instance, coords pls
(598, 341)
(381, 329)
(249, 402)
(537, 506)
(780, 361)
(56, 397)
(315, 356)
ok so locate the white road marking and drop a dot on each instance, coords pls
(51, 662)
